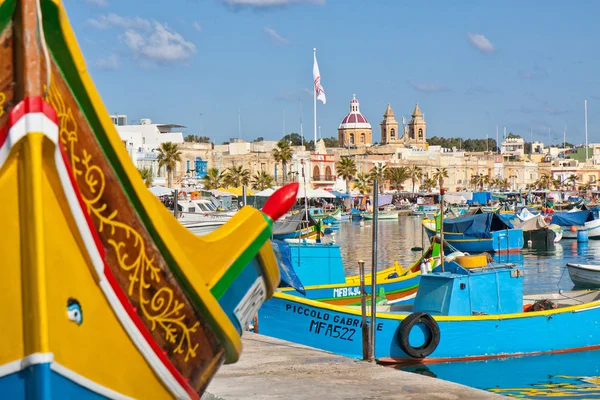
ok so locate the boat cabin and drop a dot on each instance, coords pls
(462, 291)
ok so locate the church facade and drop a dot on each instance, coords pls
(413, 134)
(355, 130)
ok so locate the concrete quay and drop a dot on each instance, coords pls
(275, 369)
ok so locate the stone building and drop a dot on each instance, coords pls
(389, 128)
(355, 130)
(417, 130)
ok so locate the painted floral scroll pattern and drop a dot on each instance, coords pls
(162, 309)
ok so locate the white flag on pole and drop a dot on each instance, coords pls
(317, 80)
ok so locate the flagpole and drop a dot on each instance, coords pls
(315, 101)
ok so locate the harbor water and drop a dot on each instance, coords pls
(562, 375)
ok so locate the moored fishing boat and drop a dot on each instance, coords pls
(425, 210)
(536, 229)
(106, 295)
(321, 271)
(382, 215)
(458, 315)
(486, 232)
(574, 221)
(584, 275)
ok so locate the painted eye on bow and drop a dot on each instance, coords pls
(74, 311)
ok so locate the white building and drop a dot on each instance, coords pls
(513, 147)
(143, 141)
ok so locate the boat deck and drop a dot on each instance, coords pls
(275, 369)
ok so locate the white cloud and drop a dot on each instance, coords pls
(116, 21)
(480, 42)
(428, 87)
(108, 63)
(99, 3)
(276, 37)
(197, 26)
(263, 4)
(159, 46)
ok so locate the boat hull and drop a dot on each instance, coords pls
(584, 276)
(592, 227)
(338, 330)
(381, 216)
(510, 240)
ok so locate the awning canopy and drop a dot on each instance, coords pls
(160, 191)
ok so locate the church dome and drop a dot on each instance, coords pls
(354, 119)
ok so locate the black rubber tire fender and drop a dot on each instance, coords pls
(404, 331)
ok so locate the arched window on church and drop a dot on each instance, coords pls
(362, 138)
(328, 173)
(420, 133)
(316, 173)
(392, 134)
(352, 138)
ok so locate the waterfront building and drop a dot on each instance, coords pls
(143, 140)
(513, 148)
(355, 130)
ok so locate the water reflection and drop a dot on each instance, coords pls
(544, 265)
(572, 375)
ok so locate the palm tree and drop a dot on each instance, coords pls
(346, 169)
(397, 176)
(439, 175)
(486, 180)
(168, 156)
(415, 174)
(213, 179)
(146, 176)
(429, 184)
(379, 172)
(283, 154)
(262, 180)
(477, 181)
(237, 176)
(573, 180)
(363, 183)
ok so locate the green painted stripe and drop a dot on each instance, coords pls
(64, 60)
(238, 265)
(358, 297)
(7, 9)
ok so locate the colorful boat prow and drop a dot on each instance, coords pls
(110, 297)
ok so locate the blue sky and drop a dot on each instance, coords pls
(471, 65)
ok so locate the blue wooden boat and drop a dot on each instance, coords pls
(461, 314)
(486, 232)
(320, 269)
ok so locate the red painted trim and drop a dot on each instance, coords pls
(123, 299)
(410, 361)
(3, 134)
(35, 105)
(32, 104)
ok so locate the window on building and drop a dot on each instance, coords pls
(328, 173)
(352, 138)
(392, 133)
(187, 166)
(420, 133)
(362, 138)
(316, 173)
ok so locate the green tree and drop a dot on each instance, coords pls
(168, 156)
(363, 183)
(146, 174)
(429, 184)
(331, 142)
(213, 178)
(346, 169)
(262, 180)
(283, 154)
(397, 176)
(572, 179)
(439, 175)
(379, 172)
(415, 174)
(237, 176)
